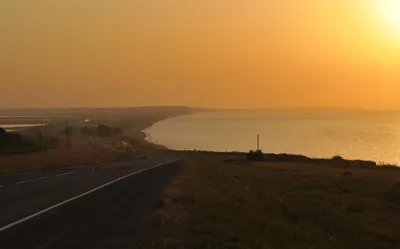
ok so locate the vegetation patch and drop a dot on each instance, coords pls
(267, 204)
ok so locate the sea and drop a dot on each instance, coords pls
(16, 126)
(321, 133)
(12, 123)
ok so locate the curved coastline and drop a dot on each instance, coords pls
(148, 138)
(153, 137)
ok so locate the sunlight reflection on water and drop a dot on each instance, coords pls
(359, 135)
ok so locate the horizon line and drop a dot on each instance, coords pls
(201, 108)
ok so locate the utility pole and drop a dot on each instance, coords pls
(67, 135)
(40, 141)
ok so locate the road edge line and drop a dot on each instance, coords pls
(32, 180)
(65, 174)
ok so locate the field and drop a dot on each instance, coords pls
(214, 203)
(82, 152)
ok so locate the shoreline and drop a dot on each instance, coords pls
(134, 128)
(281, 157)
(276, 157)
(153, 144)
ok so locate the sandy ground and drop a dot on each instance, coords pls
(80, 153)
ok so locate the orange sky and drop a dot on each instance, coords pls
(225, 53)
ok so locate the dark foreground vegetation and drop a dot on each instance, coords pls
(225, 201)
(335, 160)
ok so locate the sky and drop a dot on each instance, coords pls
(218, 54)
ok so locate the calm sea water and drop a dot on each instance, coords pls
(14, 127)
(351, 134)
(5, 126)
(10, 123)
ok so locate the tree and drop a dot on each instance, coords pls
(40, 140)
(2, 134)
(117, 131)
(13, 139)
(104, 130)
(89, 131)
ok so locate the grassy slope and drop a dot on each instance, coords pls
(216, 204)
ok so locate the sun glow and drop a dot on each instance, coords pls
(389, 13)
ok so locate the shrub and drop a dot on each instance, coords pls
(337, 158)
(12, 139)
(2, 132)
(50, 142)
(117, 131)
(287, 158)
(89, 131)
(104, 130)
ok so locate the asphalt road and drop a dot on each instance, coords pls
(92, 206)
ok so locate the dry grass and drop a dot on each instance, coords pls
(218, 204)
(80, 153)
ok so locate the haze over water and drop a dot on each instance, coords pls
(352, 134)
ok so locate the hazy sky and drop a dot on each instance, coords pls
(211, 53)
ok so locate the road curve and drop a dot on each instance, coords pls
(101, 206)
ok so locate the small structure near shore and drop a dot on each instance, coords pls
(256, 155)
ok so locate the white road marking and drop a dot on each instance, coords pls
(31, 180)
(64, 174)
(89, 169)
(79, 196)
